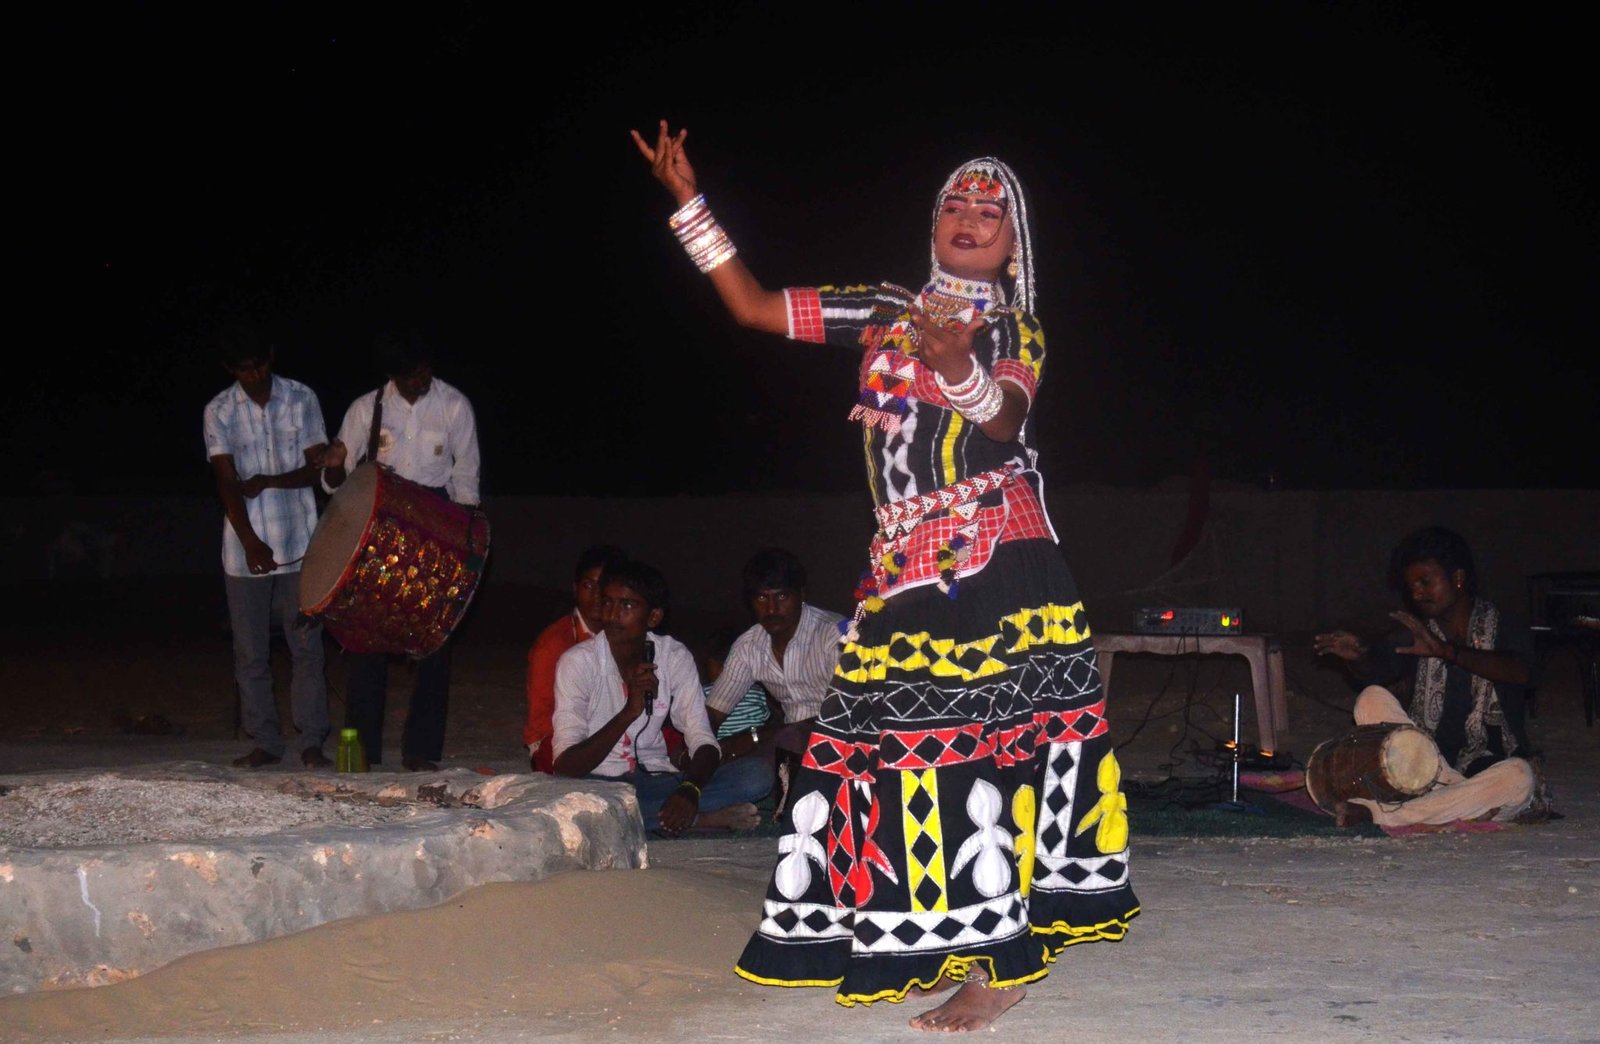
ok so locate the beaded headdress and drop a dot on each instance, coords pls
(991, 177)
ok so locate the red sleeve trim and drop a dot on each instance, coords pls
(1018, 373)
(805, 315)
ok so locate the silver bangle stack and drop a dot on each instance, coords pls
(707, 244)
(978, 398)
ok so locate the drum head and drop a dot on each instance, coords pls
(337, 538)
(1321, 792)
(1410, 760)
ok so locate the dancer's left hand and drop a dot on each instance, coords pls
(947, 349)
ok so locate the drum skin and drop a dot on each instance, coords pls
(392, 566)
(1384, 761)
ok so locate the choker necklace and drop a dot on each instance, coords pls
(953, 301)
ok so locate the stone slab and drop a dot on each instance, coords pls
(87, 916)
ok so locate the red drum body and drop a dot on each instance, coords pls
(1385, 761)
(392, 566)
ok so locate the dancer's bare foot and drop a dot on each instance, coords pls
(743, 816)
(945, 983)
(973, 1007)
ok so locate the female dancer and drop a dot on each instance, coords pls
(958, 815)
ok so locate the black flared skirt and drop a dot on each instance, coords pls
(959, 801)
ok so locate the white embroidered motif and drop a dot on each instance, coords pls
(793, 875)
(989, 850)
(895, 448)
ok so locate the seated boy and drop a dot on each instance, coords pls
(615, 691)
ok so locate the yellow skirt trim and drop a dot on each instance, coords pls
(956, 967)
(1113, 930)
(785, 982)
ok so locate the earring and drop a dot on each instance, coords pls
(1012, 268)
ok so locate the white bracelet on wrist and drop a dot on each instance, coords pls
(978, 398)
(703, 239)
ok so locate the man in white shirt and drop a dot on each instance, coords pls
(264, 437)
(791, 649)
(424, 429)
(615, 691)
(562, 634)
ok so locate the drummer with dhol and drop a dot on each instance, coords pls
(1466, 670)
(425, 430)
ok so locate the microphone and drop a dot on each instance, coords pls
(650, 696)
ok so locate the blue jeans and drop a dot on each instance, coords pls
(735, 782)
(253, 603)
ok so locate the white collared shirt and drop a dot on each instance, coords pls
(433, 441)
(268, 440)
(589, 693)
(798, 683)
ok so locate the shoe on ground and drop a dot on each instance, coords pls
(313, 758)
(418, 765)
(255, 759)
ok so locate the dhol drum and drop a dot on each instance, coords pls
(392, 566)
(1385, 761)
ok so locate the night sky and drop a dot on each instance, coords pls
(1327, 246)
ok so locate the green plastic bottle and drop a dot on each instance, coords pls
(351, 756)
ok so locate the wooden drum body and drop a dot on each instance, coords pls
(1385, 761)
(392, 566)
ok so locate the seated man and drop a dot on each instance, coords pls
(615, 691)
(754, 708)
(1467, 670)
(562, 634)
(791, 650)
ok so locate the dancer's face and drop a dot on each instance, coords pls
(973, 235)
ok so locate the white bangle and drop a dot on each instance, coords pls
(703, 239)
(967, 386)
(978, 398)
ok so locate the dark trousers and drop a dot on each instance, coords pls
(368, 692)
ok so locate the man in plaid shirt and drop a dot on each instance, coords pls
(265, 438)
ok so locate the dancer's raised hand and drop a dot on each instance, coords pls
(669, 162)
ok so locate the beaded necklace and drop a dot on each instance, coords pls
(952, 301)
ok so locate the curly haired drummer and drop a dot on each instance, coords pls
(1467, 670)
(425, 430)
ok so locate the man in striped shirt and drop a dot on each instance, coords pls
(791, 650)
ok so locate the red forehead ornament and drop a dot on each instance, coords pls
(979, 182)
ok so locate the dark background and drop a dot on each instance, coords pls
(1329, 246)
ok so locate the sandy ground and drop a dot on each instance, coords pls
(1450, 936)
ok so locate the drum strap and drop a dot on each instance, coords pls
(377, 425)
